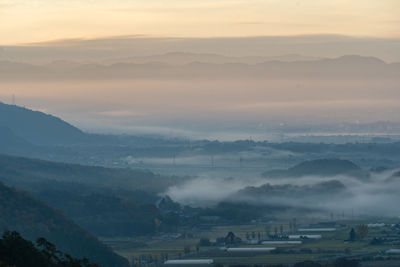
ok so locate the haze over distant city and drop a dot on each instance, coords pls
(249, 69)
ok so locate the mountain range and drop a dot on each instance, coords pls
(192, 66)
(183, 58)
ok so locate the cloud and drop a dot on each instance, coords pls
(5, 4)
(206, 190)
(249, 23)
(120, 113)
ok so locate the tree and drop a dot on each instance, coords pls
(343, 262)
(362, 231)
(267, 230)
(352, 235)
(186, 249)
(48, 249)
(307, 264)
(16, 251)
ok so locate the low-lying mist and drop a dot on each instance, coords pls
(375, 196)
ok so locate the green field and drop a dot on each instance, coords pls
(332, 245)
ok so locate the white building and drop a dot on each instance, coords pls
(258, 249)
(317, 229)
(305, 236)
(288, 242)
(200, 262)
(393, 251)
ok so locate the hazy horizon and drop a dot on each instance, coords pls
(203, 95)
(233, 68)
(120, 47)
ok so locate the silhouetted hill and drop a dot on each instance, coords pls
(37, 127)
(320, 167)
(33, 219)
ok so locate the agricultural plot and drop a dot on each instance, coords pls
(333, 244)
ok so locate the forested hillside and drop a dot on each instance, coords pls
(38, 127)
(104, 201)
(33, 219)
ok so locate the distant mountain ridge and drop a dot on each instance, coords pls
(96, 49)
(37, 127)
(183, 58)
(202, 66)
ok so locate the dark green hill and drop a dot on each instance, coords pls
(320, 167)
(20, 172)
(326, 188)
(33, 219)
(104, 201)
(326, 167)
(10, 143)
(37, 127)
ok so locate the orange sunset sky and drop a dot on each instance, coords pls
(27, 21)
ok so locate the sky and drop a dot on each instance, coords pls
(29, 21)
